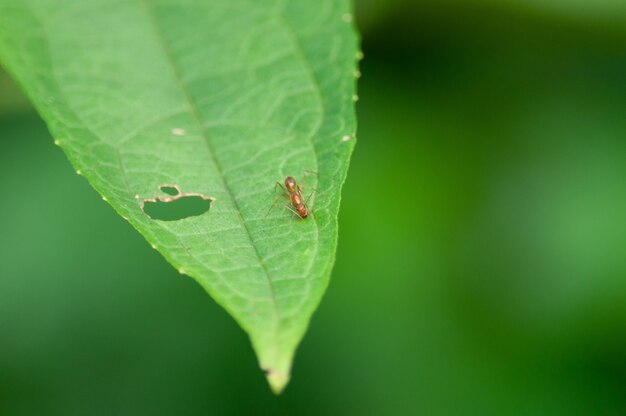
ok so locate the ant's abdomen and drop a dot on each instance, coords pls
(296, 200)
(301, 211)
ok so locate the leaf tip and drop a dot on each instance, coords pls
(277, 380)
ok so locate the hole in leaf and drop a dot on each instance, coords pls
(170, 190)
(176, 209)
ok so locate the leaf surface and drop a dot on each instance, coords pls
(218, 99)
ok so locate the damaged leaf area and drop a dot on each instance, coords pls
(221, 99)
(177, 206)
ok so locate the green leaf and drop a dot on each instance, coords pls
(220, 99)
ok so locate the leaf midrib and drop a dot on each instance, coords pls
(194, 112)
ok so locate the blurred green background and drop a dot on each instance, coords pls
(482, 254)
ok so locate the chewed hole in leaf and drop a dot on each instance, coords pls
(187, 206)
(170, 190)
(176, 207)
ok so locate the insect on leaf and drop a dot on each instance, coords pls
(156, 101)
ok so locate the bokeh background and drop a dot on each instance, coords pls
(482, 255)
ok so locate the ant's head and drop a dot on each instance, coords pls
(290, 183)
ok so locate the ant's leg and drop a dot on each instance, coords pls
(307, 173)
(273, 205)
(281, 187)
(314, 191)
(291, 209)
(306, 204)
(309, 187)
(276, 201)
(283, 195)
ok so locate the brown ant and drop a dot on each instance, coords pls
(293, 193)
